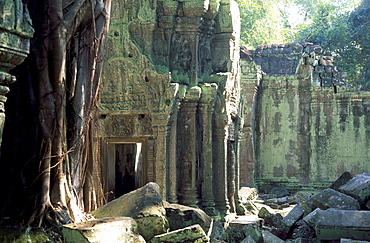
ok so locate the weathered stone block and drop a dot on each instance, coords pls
(119, 229)
(294, 215)
(268, 237)
(253, 232)
(334, 224)
(353, 241)
(358, 187)
(247, 193)
(330, 198)
(190, 234)
(234, 235)
(180, 216)
(246, 221)
(145, 205)
(270, 218)
(218, 231)
(249, 239)
(308, 206)
(301, 230)
(343, 179)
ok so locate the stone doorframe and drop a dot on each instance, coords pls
(108, 161)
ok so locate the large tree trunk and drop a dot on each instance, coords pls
(65, 65)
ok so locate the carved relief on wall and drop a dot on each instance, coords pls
(131, 89)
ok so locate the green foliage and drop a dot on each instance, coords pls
(341, 28)
(331, 25)
(263, 22)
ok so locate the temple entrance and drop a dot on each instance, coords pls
(122, 166)
(127, 167)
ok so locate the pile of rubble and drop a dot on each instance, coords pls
(340, 213)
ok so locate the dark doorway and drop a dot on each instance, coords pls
(127, 167)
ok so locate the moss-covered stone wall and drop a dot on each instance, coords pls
(307, 130)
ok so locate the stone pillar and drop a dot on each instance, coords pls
(205, 108)
(219, 146)
(186, 129)
(250, 78)
(166, 12)
(160, 130)
(172, 155)
(15, 32)
(184, 45)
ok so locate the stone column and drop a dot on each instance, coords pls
(219, 146)
(15, 32)
(172, 155)
(205, 108)
(185, 40)
(186, 129)
(160, 130)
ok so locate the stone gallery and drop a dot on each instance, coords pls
(182, 105)
(180, 108)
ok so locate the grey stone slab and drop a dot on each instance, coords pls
(293, 216)
(180, 216)
(145, 205)
(249, 239)
(330, 198)
(106, 230)
(358, 187)
(193, 233)
(268, 237)
(343, 179)
(353, 241)
(334, 224)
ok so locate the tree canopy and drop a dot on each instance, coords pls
(340, 27)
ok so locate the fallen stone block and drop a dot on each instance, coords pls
(279, 191)
(190, 234)
(144, 205)
(358, 187)
(293, 216)
(298, 198)
(119, 229)
(343, 179)
(301, 230)
(242, 221)
(234, 235)
(268, 237)
(249, 239)
(253, 232)
(334, 224)
(284, 228)
(308, 206)
(247, 194)
(218, 231)
(11, 234)
(180, 216)
(353, 241)
(270, 218)
(303, 240)
(330, 198)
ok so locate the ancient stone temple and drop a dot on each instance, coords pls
(169, 108)
(307, 129)
(15, 32)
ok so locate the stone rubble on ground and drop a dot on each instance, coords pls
(338, 214)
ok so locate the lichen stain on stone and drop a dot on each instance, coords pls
(291, 171)
(277, 122)
(278, 171)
